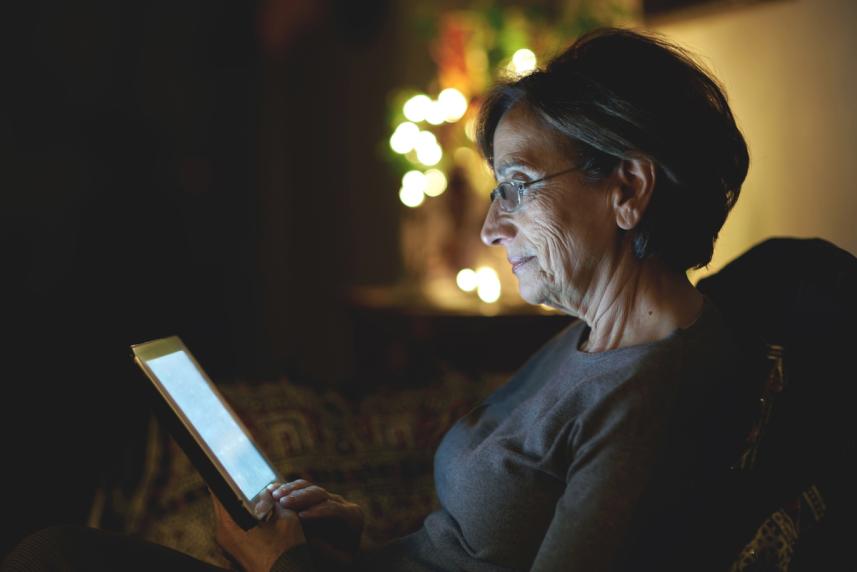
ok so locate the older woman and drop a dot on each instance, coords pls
(616, 168)
(610, 449)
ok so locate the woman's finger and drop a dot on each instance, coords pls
(302, 499)
(350, 514)
(286, 488)
(326, 509)
(274, 486)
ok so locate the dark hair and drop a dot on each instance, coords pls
(618, 93)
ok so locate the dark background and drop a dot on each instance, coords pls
(209, 168)
(183, 166)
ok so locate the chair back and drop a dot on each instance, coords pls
(793, 304)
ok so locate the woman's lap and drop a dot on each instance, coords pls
(78, 548)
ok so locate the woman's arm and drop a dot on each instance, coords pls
(257, 549)
(610, 485)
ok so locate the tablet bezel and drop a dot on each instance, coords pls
(241, 508)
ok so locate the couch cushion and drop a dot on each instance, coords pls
(376, 451)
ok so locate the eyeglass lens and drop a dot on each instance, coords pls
(507, 193)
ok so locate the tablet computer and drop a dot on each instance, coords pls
(206, 427)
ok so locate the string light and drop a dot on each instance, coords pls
(416, 108)
(425, 139)
(523, 62)
(488, 289)
(428, 151)
(405, 137)
(430, 156)
(453, 104)
(467, 280)
(411, 196)
(415, 180)
(435, 114)
(435, 182)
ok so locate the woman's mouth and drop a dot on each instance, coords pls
(518, 262)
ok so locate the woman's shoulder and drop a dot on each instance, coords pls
(637, 378)
(707, 347)
(696, 359)
(707, 342)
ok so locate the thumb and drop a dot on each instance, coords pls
(263, 507)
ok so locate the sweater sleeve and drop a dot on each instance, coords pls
(607, 482)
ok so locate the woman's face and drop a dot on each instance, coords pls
(562, 238)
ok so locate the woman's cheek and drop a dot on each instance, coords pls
(553, 246)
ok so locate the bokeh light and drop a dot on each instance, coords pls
(428, 151)
(430, 156)
(424, 139)
(435, 182)
(523, 62)
(405, 137)
(417, 107)
(488, 289)
(470, 129)
(411, 197)
(415, 180)
(467, 280)
(453, 103)
(435, 114)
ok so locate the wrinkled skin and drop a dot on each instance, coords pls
(568, 244)
(564, 223)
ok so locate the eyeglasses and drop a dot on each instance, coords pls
(511, 193)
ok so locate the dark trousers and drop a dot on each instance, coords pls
(75, 548)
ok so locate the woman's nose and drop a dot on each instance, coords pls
(497, 228)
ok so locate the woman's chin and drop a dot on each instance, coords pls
(530, 292)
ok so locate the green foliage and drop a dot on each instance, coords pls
(503, 27)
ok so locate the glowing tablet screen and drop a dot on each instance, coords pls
(221, 433)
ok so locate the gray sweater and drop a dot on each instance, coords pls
(588, 462)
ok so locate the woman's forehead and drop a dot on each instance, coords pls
(523, 139)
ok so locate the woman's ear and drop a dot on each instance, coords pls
(635, 178)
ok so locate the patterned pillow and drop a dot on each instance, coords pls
(376, 451)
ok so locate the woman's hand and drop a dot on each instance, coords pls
(333, 525)
(257, 549)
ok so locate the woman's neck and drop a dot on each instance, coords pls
(639, 302)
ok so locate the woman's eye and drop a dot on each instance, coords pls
(531, 192)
